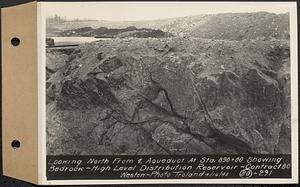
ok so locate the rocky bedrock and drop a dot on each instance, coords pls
(169, 96)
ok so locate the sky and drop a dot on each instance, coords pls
(134, 11)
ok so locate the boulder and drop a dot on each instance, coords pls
(170, 96)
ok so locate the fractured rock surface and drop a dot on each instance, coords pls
(169, 96)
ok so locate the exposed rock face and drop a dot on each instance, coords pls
(171, 96)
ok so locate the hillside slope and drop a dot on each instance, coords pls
(227, 26)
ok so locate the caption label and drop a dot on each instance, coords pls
(168, 167)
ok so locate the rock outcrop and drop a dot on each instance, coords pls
(170, 96)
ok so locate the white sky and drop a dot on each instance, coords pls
(133, 11)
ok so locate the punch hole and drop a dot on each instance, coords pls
(15, 41)
(15, 144)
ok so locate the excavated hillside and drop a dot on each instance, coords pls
(103, 32)
(169, 96)
(225, 26)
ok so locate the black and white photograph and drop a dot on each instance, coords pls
(201, 84)
(145, 78)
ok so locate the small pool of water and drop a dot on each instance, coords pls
(75, 40)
